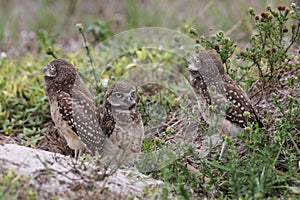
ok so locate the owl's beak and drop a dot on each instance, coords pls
(45, 69)
(131, 100)
(192, 67)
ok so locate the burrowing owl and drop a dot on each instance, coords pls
(121, 120)
(207, 72)
(73, 109)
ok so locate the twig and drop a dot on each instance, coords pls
(88, 52)
(54, 170)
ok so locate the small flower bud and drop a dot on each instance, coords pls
(273, 95)
(281, 8)
(49, 51)
(193, 31)
(251, 11)
(217, 47)
(264, 15)
(246, 114)
(268, 51)
(170, 130)
(176, 101)
(247, 129)
(285, 30)
(157, 141)
(79, 27)
(256, 17)
(287, 10)
(270, 17)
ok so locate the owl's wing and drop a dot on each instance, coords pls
(240, 104)
(82, 115)
(64, 101)
(107, 122)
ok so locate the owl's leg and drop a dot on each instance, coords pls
(224, 146)
(79, 152)
(76, 154)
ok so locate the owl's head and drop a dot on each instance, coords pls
(59, 71)
(194, 63)
(203, 61)
(121, 95)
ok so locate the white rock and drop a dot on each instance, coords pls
(62, 172)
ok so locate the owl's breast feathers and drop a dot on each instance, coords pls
(200, 87)
(111, 118)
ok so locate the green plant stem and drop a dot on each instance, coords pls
(294, 143)
(88, 53)
(86, 46)
(293, 40)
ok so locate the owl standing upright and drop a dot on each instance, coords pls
(222, 102)
(121, 121)
(73, 109)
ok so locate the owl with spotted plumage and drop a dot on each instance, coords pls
(223, 103)
(73, 108)
(206, 70)
(121, 121)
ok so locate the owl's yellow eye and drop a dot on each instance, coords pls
(52, 67)
(118, 95)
